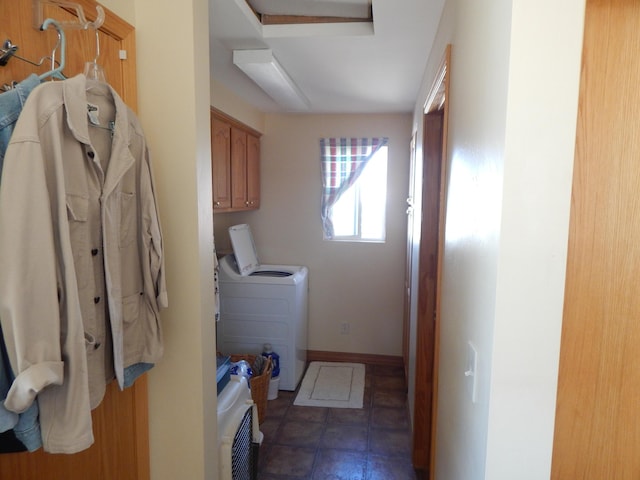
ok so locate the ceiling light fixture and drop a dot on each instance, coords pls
(263, 68)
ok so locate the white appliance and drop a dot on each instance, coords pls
(263, 304)
(239, 437)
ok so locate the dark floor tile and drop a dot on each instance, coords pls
(278, 407)
(295, 462)
(269, 428)
(387, 417)
(334, 464)
(395, 443)
(348, 437)
(303, 434)
(384, 468)
(389, 382)
(312, 443)
(389, 370)
(389, 398)
(349, 416)
(367, 397)
(271, 476)
(368, 380)
(307, 414)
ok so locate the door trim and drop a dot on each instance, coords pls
(428, 335)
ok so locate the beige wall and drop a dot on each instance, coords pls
(224, 99)
(358, 283)
(173, 106)
(125, 9)
(514, 92)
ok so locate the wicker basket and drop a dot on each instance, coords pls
(259, 383)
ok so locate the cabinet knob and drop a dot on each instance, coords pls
(216, 204)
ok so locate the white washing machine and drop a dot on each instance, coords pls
(263, 304)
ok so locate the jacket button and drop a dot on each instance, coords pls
(96, 299)
(90, 154)
(94, 252)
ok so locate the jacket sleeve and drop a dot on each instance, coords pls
(29, 277)
(154, 240)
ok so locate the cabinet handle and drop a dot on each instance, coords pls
(217, 204)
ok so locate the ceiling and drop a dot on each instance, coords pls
(349, 67)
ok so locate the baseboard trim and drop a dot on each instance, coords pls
(372, 359)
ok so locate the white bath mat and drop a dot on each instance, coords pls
(332, 384)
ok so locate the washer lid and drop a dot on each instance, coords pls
(244, 249)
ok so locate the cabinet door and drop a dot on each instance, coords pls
(253, 171)
(221, 163)
(238, 168)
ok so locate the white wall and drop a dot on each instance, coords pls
(360, 283)
(511, 135)
(173, 105)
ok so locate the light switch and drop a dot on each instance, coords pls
(471, 372)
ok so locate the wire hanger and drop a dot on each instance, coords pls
(56, 71)
(92, 70)
(8, 51)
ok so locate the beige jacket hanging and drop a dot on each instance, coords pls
(81, 256)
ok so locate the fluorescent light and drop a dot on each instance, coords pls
(263, 68)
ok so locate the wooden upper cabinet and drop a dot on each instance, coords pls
(221, 163)
(253, 171)
(235, 156)
(238, 168)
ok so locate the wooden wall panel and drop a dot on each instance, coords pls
(597, 434)
(120, 423)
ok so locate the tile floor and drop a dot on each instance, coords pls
(372, 443)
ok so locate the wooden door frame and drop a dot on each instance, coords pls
(428, 323)
(406, 311)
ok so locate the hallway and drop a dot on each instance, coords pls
(372, 443)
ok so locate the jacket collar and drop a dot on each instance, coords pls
(74, 92)
(75, 99)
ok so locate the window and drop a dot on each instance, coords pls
(354, 172)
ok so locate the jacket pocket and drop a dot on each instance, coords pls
(132, 327)
(77, 215)
(131, 308)
(128, 218)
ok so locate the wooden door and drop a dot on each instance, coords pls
(120, 423)
(597, 432)
(221, 163)
(428, 286)
(434, 186)
(253, 171)
(238, 168)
